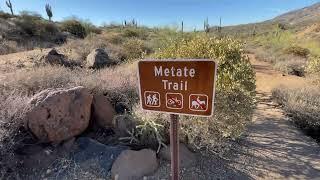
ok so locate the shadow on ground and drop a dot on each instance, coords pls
(274, 148)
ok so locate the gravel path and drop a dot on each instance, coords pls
(274, 148)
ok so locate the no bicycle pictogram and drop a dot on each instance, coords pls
(174, 100)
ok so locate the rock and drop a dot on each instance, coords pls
(55, 115)
(54, 58)
(68, 144)
(122, 108)
(123, 125)
(187, 158)
(38, 157)
(98, 58)
(92, 155)
(102, 111)
(131, 165)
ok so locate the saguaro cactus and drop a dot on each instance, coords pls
(182, 26)
(220, 26)
(206, 25)
(49, 11)
(9, 4)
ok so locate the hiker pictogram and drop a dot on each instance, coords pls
(198, 102)
(152, 99)
(174, 100)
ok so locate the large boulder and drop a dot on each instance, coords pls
(102, 111)
(99, 58)
(131, 165)
(187, 158)
(54, 58)
(55, 115)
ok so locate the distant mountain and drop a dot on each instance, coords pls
(307, 15)
(297, 19)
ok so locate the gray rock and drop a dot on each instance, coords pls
(92, 155)
(102, 112)
(187, 158)
(54, 58)
(134, 165)
(99, 58)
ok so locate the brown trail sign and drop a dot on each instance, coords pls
(177, 87)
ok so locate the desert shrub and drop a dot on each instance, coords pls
(134, 33)
(313, 65)
(114, 38)
(74, 27)
(235, 71)
(5, 15)
(135, 49)
(235, 90)
(303, 105)
(33, 25)
(12, 133)
(7, 47)
(89, 27)
(291, 65)
(29, 22)
(78, 50)
(297, 51)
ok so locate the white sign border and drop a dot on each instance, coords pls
(181, 60)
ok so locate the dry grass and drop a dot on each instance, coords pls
(12, 133)
(121, 79)
(292, 65)
(303, 105)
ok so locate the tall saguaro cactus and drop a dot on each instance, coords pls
(182, 26)
(206, 25)
(49, 11)
(9, 4)
(220, 27)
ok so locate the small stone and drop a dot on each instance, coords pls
(132, 165)
(187, 158)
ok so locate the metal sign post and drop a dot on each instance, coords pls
(174, 141)
(184, 87)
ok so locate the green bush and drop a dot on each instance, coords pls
(313, 65)
(131, 32)
(135, 49)
(298, 51)
(33, 25)
(74, 27)
(235, 92)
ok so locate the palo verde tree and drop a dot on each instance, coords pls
(49, 11)
(9, 4)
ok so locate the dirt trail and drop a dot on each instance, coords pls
(274, 148)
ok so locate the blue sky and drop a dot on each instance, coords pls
(164, 12)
